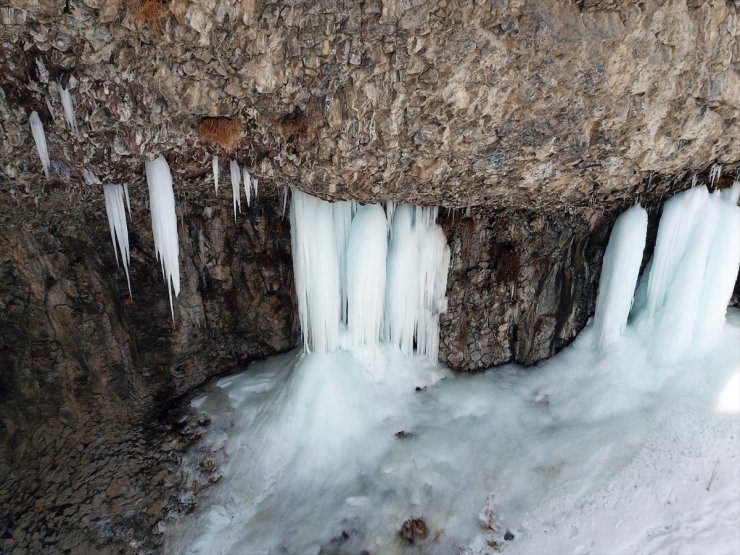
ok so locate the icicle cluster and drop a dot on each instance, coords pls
(681, 302)
(214, 165)
(619, 273)
(114, 208)
(37, 130)
(235, 182)
(164, 223)
(348, 274)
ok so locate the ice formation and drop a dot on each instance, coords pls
(235, 182)
(164, 224)
(255, 183)
(114, 208)
(332, 451)
(340, 253)
(37, 130)
(692, 272)
(714, 174)
(68, 107)
(619, 273)
(247, 184)
(214, 165)
(285, 199)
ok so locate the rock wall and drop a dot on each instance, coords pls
(504, 103)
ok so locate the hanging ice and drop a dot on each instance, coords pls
(114, 200)
(714, 174)
(255, 183)
(37, 130)
(366, 253)
(247, 184)
(214, 165)
(619, 273)
(128, 203)
(235, 182)
(285, 199)
(316, 271)
(339, 255)
(68, 107)
(164, 223)
(691, 274)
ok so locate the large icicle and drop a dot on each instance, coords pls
(164, 224)
(619, 273)
(316, 271)
(68, 107)
(37, 130)
(366, 255)
(434, 257)
(235, 182)
(114, 208)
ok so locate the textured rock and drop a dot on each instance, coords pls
(521, 103)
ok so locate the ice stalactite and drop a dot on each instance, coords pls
(37, 130)
(367, 248)
(715, 173)
(164, 224)
(285, 199)
(68, 107)
(247, 184)
(619, 274)
(316, 269)
(688, 282)
(128, 202)
(235, 182)
(214, 165)
(114, 208)
(255, 183)
(347, 273)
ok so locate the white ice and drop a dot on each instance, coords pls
(68, 107)
(114, 208)
(37, 130)
(214, 165)
(619, 273)
(247, 184)
(255, 184)
(235, 183)
(164, 224)
(591, 452)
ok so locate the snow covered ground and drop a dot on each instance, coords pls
(589, 453)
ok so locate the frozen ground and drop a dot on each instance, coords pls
(589, 453)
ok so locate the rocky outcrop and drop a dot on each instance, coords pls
(521, 284)
(508, 103)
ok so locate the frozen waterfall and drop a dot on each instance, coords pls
(619, 274)
(348, 274)
(682, 298)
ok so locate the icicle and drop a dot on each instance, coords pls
(247, 184)
(164, 224)
(128, 203)
(214, 165)
(316, 271)
(37, 130)
(390, 208)
(714, 174)
(69, 110)
(114, 197)
(619, 273)
(366, 257)
(235, 181)
(255, 183)
(285, 199)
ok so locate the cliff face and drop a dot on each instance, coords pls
(545, 117)
(517, 103)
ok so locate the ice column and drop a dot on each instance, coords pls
(619, 273)
(366, 253)
(68, 107)
(114, 208)
(316, 271)
(164, 223)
